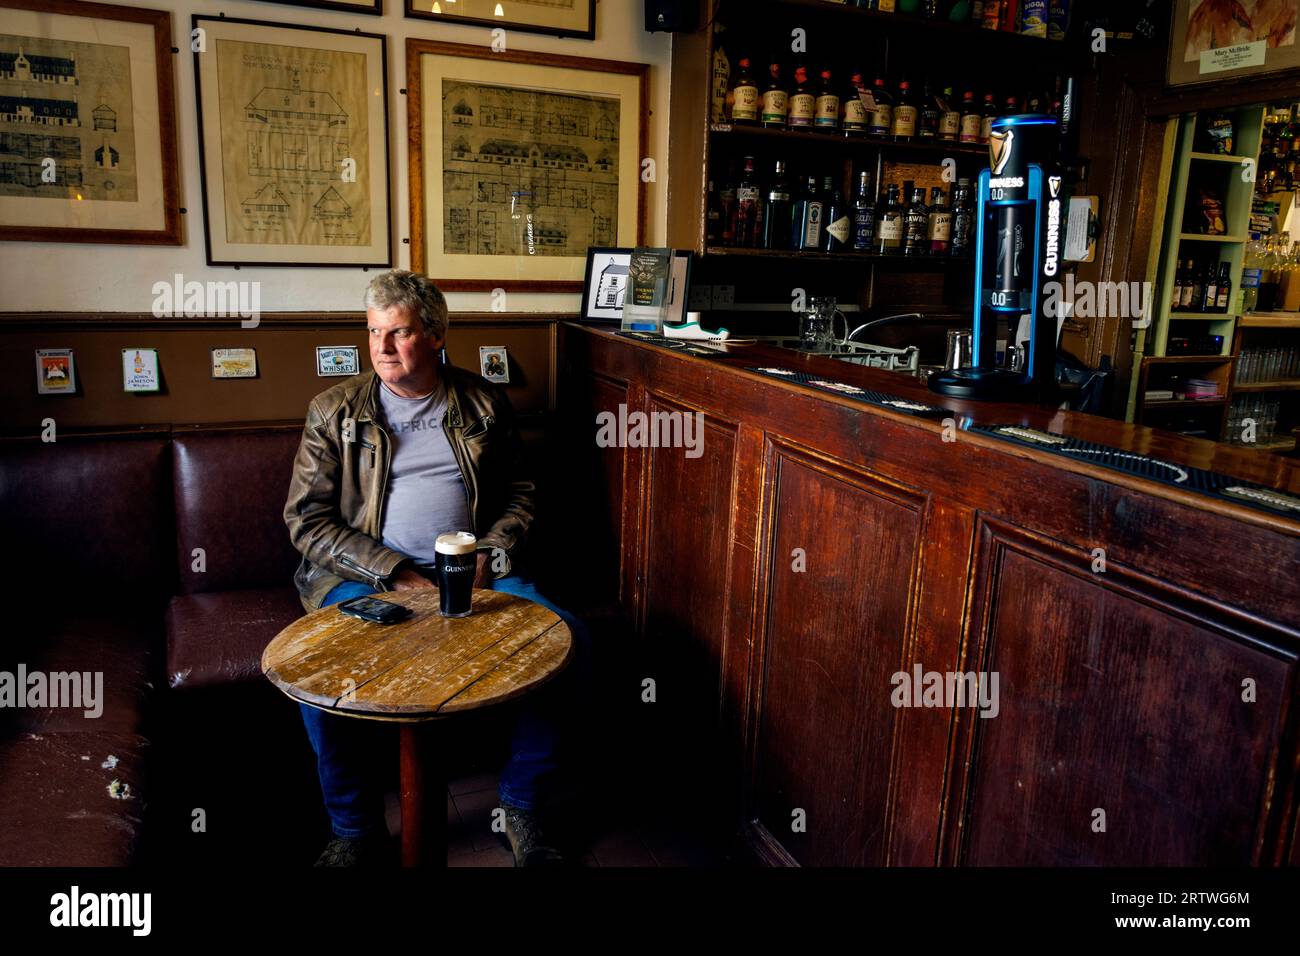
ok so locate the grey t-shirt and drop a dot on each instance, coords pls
(426, 493)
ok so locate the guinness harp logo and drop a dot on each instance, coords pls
(1000, 149)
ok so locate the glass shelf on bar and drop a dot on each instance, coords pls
(941, 147)
(1201, 237)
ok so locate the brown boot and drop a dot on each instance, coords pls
(530, 846)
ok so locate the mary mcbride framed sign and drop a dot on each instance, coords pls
(1220, 39)
(87, 124)
(293, 144)
(520, 162)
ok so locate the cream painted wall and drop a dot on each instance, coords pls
(55, 276)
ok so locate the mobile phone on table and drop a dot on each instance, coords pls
(371, 609)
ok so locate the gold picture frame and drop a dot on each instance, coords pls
(519, 162)
(89, 137)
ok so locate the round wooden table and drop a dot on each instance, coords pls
(420, 669)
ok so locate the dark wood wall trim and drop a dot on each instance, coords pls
(130, 321)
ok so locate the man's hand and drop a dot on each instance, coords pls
(408, 579)
(483, 576)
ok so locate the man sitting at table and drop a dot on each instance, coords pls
(389, 460)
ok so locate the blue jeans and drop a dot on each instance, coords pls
(547, 719)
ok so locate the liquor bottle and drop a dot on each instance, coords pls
(971, 119)
(744, 95)
(904, 126)
(777, 215)
(837, 234)
(864, 214)
(1010, 106)
(727, 204)
(853, 114)
(1180, 279)
(1225, 287)
(938, 223)
(713, 219)
(721, 84)
(915, 222)
(988, 113)
(776, 99)
(1210, 298)
(889, 224)
(1192, 301)
(927, 117)
(963, 219)
(1189, 285)
(803, 102)
(949, 116)
(807, 218)
(828, 105)
(881, 118)
(748, 199)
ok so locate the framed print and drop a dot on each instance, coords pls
(87, 124)
(375, 7)
(140, 370)
(494, 363)
(293, 144)
(1253, 36)
(559, 18)
(55, 372)
(337, 360)
(605, 287)
(234, 363)
(519, 162)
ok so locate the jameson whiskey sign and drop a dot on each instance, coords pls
(646, 304)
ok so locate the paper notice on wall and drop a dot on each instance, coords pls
(1233, 57)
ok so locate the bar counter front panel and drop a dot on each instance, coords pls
(1146, 712)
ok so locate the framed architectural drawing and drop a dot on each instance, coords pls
(293, 144)
(87, 124)
(1212, 40)
(560, 18)
(519, 162)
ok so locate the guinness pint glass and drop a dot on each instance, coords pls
(457, 564)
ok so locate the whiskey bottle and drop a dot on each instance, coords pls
(963, 219)
(987, 115)
(880, 118)
(938, 224)
(838, 230)
(828, 105)
(803, 102)
(807, 218)
(778, 212)
(889, 224)
(864, 214)
(776, 100)
(927, 117)
(970, 119)
(853, 114)
(1210, 298)
(916, 219)
(1180, 279)
(744, 93)
(1225, 287)
(904, 127)
(949, 116)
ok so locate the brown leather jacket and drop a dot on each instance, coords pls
(336, 499)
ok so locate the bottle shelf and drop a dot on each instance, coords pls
(1271, 320)
(1201, 237)
(919, 147)
(809, 255)
(1201, 316)
(1220, 158)
(1283, 385)
(1187, 359)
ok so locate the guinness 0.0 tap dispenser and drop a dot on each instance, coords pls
(1020, 223)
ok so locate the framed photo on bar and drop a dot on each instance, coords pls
(1211, 40)
(559, 18)
(520, 162)
(293, 144)
(87, 124)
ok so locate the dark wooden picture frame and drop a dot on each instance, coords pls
(369, 7)
(383, 135)
(170, 232)
(504, 22)
(416, 49)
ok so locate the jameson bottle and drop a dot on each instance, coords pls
(828, 105)
(853, 114)
(970, 119)
(747, 203)
(963, 219)
(927, 118)
(881, 118)
(889, 224)
(744, 92)
(807, 218)
(864, 214)
(915, 220)
(904, 126)
(803, 102)
(988, 113)
(949, 116)
(838, 221)
(938, 224)
(775, 98)
(777, 214)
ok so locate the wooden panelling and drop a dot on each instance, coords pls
(1121, 735)
(835, 629)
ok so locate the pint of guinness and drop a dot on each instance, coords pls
(457, 565)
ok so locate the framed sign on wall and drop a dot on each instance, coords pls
(561, 18)
(87, 124)
(1216, 40)
(519, 162)
(293, 144)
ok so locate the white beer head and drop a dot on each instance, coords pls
(455, 542)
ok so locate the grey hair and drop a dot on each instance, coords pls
(414, 292)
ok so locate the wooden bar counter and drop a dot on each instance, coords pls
(821, 553)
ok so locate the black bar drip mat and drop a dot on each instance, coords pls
(865, 395)
(1196, 480)
(688, 346)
